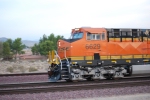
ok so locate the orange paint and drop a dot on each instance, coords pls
(113, 47)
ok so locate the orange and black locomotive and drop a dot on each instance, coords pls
(99, 53)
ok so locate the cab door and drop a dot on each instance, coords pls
(93, 45)
(96, 44)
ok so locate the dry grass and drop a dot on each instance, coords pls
(10, 69)
(32, 69)
(23, 66)
(22, 69)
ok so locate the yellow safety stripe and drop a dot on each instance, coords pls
(110, 57)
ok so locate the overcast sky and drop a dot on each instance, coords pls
(30, 19)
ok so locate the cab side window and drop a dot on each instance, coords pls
(98, 37)
(88, 36)
(93, 36)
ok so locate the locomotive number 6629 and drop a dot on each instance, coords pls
(92, 46)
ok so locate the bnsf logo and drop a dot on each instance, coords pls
(63, 48)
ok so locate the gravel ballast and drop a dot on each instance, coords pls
(124, 97)
(86, 94)
(21, 79)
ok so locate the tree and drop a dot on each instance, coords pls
(10, 43)
(43, 39)
(35, 49)
(46, 44)
(54, 38)
(57, 38)
(22, 52)
(24, 46)
(45, 47)
(17, 46)
(6, 50)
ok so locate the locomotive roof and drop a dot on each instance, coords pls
(98, 30)
(91, 30)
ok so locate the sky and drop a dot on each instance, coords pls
(31, 19)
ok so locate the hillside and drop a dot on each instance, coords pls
(29, 43)
(3, 39)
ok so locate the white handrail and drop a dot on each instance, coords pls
(66, 59)
(59, 59)
(65, 55)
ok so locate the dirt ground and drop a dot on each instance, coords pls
(25, 63)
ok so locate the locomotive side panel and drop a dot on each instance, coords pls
(114, 49)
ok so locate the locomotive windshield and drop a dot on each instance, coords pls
(77, 35)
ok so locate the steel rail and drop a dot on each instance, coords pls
(24, 74)
(35, 84)
(76, 87)
(63, 86)
(45, 73)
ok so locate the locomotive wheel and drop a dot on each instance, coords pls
(116, 74)
(71, 80)
(129, 70)
(75, 81)
(114, 78)
(89, 78)
(68, 80)
(96, 79)
(109, 76)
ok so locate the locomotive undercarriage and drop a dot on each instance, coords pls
(75, 72)
(70, 70)
(97, 73)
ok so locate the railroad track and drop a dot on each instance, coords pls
(23, 74)
(45, 73)
(64, 86)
